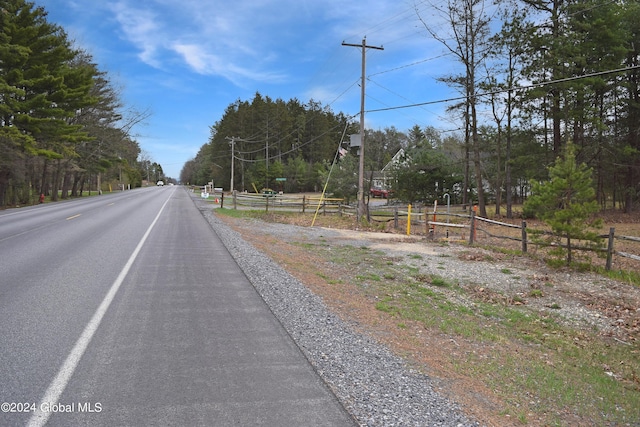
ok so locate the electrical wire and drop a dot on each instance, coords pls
(409, 65)
(297, 147)
(531, 86)
(335, 160)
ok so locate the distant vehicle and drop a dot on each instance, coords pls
(160, 183)
(267, 192)
(379, 192)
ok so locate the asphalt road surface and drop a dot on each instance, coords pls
(127, 310)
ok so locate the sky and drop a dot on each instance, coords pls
(184, 62)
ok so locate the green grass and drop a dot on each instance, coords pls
(536, 293)
(439, 281)
(559, 368)
(631, 277)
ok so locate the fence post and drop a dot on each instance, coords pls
(266, 204)
(235, 200)
(395, 217)
(610, 249)
(524, 237)
(222, 200)
(304, 202)
(435, 212)
(426, 225)
(472, 227)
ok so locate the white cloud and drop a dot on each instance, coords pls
(207, 63)
(139, 26)
(245, 41)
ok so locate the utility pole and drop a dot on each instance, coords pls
(233, 154)
(266, 185)
(361, 210)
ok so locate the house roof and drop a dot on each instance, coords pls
(394, 160)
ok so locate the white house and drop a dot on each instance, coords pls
(383, 178)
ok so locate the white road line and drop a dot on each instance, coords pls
(56, 387)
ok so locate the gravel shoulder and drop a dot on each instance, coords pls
(385, 377)
(376, 386)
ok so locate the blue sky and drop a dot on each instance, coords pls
(186, 61)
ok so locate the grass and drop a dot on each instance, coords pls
(536, 293)
(544, 371)
(555, 367)
(631, 277)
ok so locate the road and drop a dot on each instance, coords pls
(126, 309)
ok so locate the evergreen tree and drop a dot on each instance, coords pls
(40, 90)
(566, 202)
(424, 175)
(266, 133)
(343, 179)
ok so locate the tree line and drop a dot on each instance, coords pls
(557, 72)
(267, 140)
(63, 126)
(533, 77)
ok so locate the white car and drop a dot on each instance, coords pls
(160, 183)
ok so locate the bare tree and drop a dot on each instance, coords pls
(467, 39)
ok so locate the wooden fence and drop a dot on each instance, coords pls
(288, 203)
(431, 220)
(474, 225)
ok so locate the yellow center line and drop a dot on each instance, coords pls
(72, 217)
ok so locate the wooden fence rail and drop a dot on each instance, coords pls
(472, 224)
(423, 216)
(278, 202)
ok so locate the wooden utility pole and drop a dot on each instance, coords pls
(361, 206)
(233, 155)
(233, 143)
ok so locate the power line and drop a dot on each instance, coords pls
(531, 86)
(409, 65)
(297, 146)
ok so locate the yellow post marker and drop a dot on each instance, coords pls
(409, 219)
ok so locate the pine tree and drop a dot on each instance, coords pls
(40, 88)
(566, 202)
